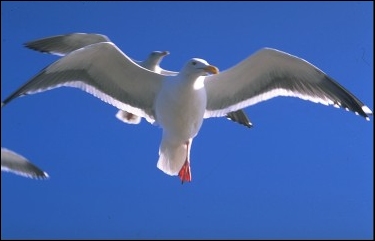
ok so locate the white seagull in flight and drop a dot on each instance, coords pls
(180, 103)
(15, 163)
(62, 45)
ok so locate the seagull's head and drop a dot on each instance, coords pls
(199, 67)
(155, 58)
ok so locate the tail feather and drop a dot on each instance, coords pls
(171, 157)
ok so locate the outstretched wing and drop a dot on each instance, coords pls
(270, 73)
(104, 71)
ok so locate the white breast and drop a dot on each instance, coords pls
(180, 107)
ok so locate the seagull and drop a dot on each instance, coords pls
(62, 45)
(179, 104)
(15, 163)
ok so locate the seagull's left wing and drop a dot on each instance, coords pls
(270, 73)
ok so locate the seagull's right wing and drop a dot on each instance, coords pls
(104, 71)
(64, 44)
(13, 162)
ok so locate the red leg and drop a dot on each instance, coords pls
(184, 173)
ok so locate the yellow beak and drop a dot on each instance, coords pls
(211, 69)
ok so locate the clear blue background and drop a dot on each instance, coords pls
(304, 171)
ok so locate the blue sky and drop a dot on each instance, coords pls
(304, 171)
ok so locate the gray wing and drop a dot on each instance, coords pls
(104, 71)
(64, 44)
(15, 163)
(270, 73)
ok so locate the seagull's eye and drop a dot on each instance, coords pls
(193, 63)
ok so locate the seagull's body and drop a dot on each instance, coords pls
(180, 107)
(62, 45)
(15, 163)
(180, 103)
